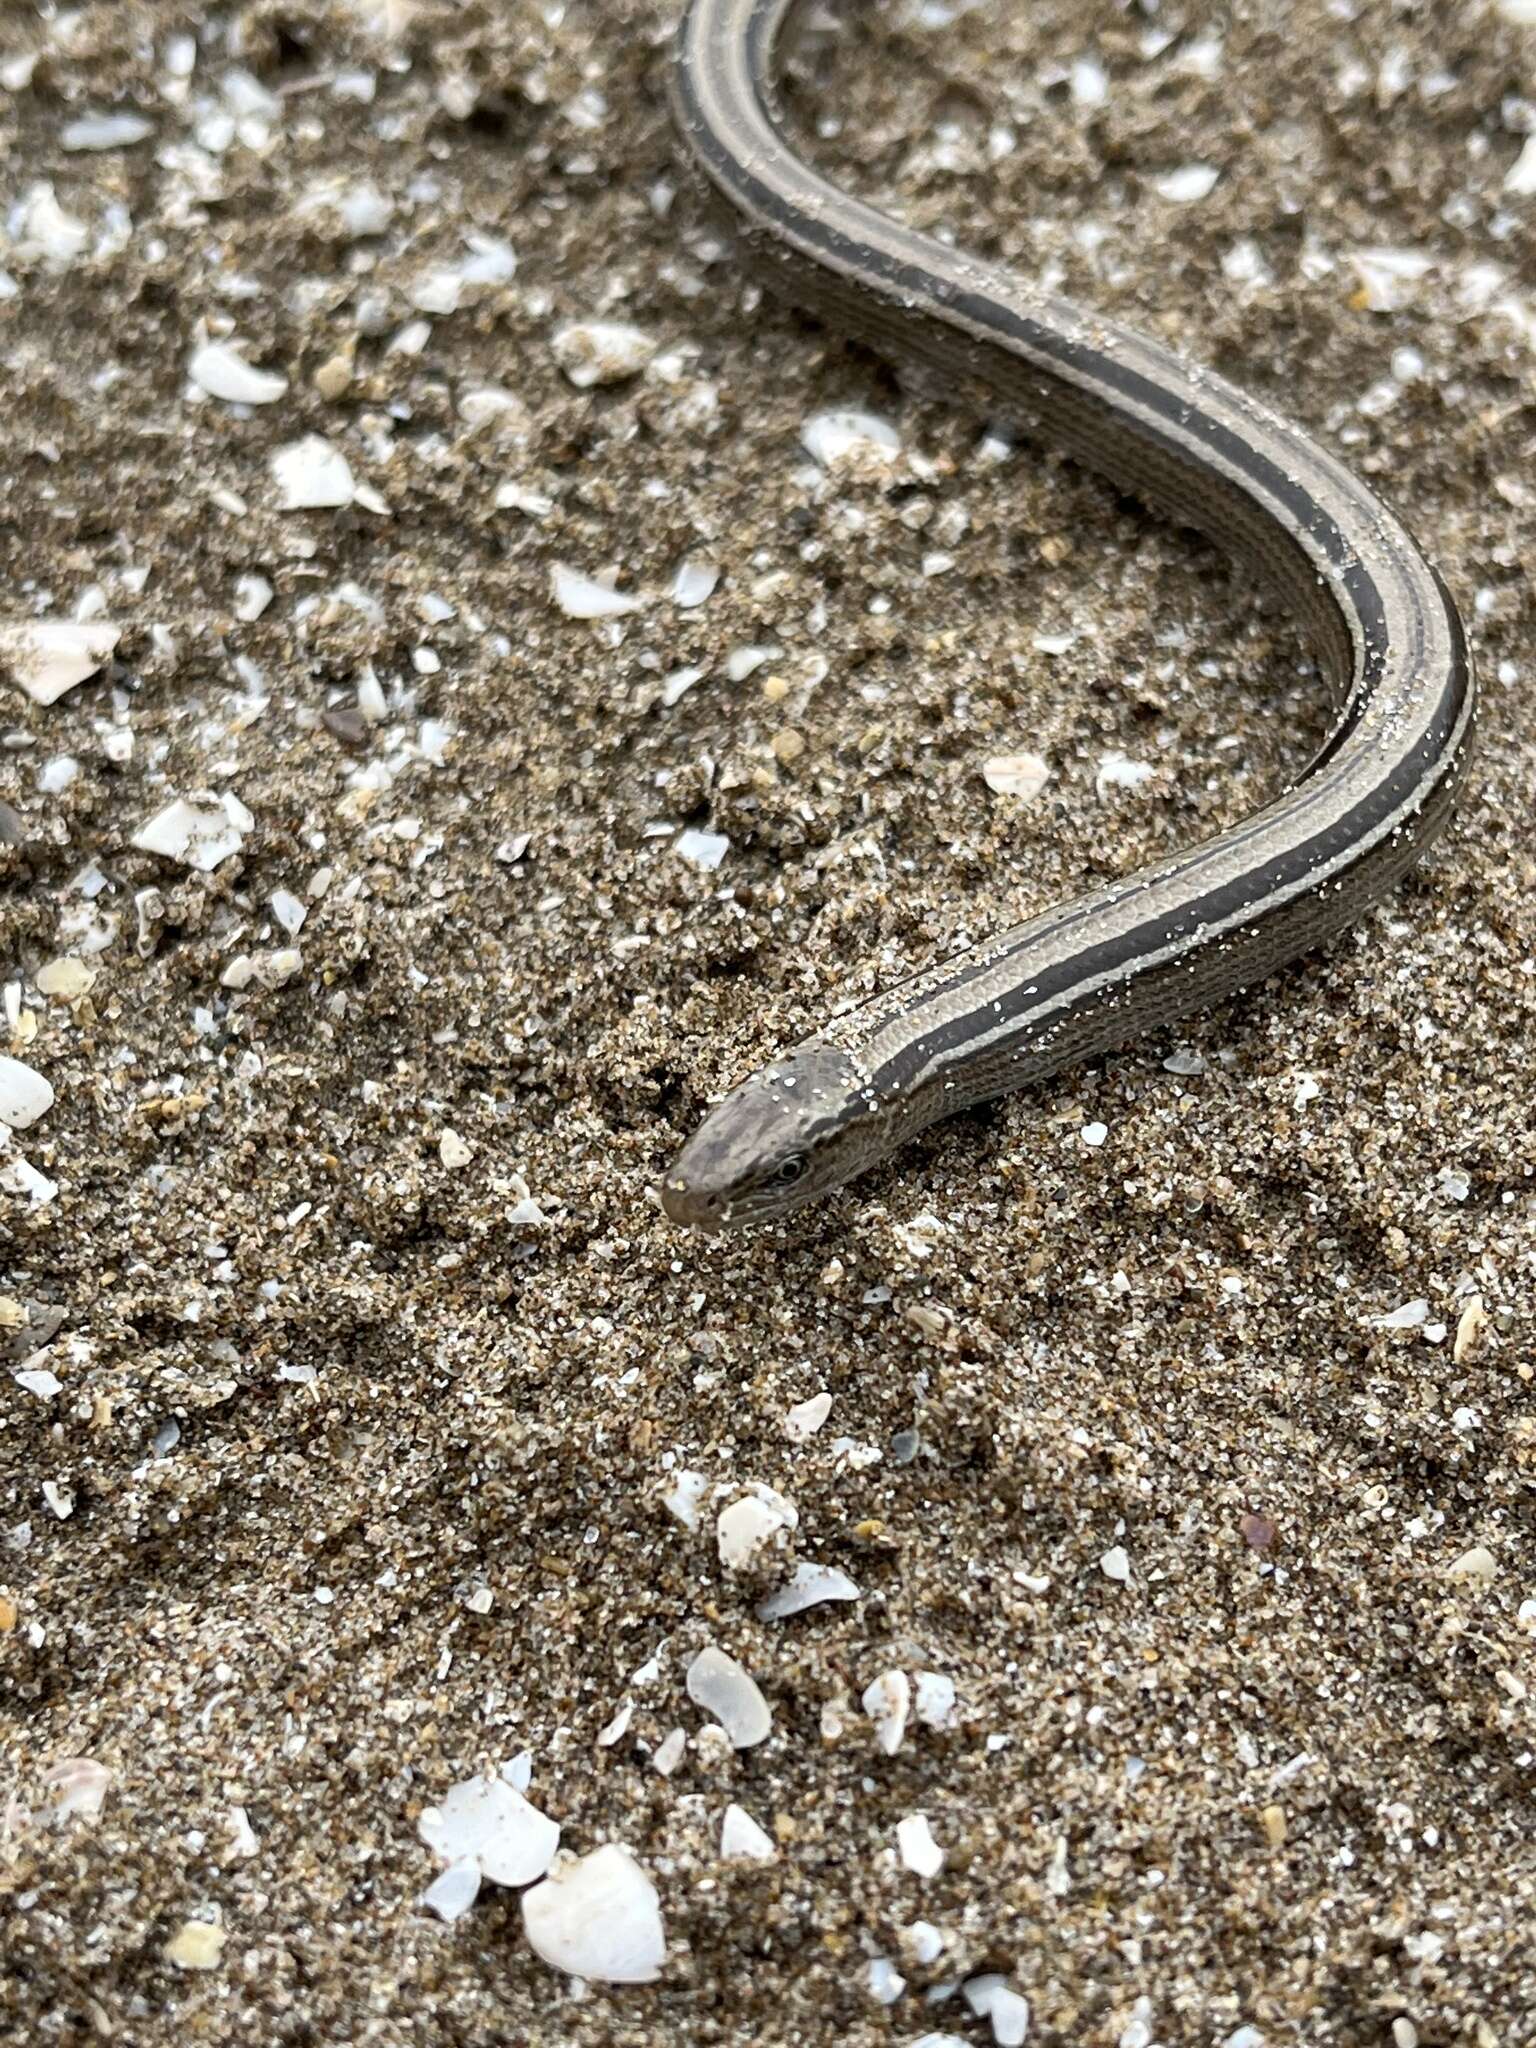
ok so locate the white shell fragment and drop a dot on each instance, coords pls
(993, 1998)
(20, 1177)
(668, 1753)
(451, 1894)
(724, 1688)
(832, 437)
(602, 352)
(742, 1839)
(242, 1840)
(1088, 82)
(676, 686)
(1116, 1564)
(1187, 184)
(79, 1786)
(702, 850)
(1477, 1566)
(616, 1729)
(583, 597)
(104, 131)
(1022, 775)
(752, 1526)
(252, 596)
(1412, 1315)
(693, 581)
(885, 1981)
(486, 1822)
(1118, 771)
(888, 1701)
(1387, 276)
(934, 1697)
(288, 910)
(922, 1941)
(41, 230)
(683, 1496)
(1520, 179)
(219, 369)
(199, 835)
(806, 1417)
(742, 662)
(275, 969)
(46, 657)
(25, 1094)
(919, 1852)
(598, 1917)
(311, 475)
(811, 1585)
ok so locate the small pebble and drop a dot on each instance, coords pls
(1118, 771)
(79, 1785)
(196, 1945)
(934, 1699)
(252, 596)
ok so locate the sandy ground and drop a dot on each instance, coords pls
(358, 1360)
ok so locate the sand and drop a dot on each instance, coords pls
(1180, 1412)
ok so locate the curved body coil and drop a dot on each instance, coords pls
(1185, 931)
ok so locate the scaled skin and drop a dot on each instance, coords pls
(786, 1135)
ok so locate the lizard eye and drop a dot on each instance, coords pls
(788, 1171)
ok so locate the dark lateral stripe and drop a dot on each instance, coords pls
(1253, 893)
